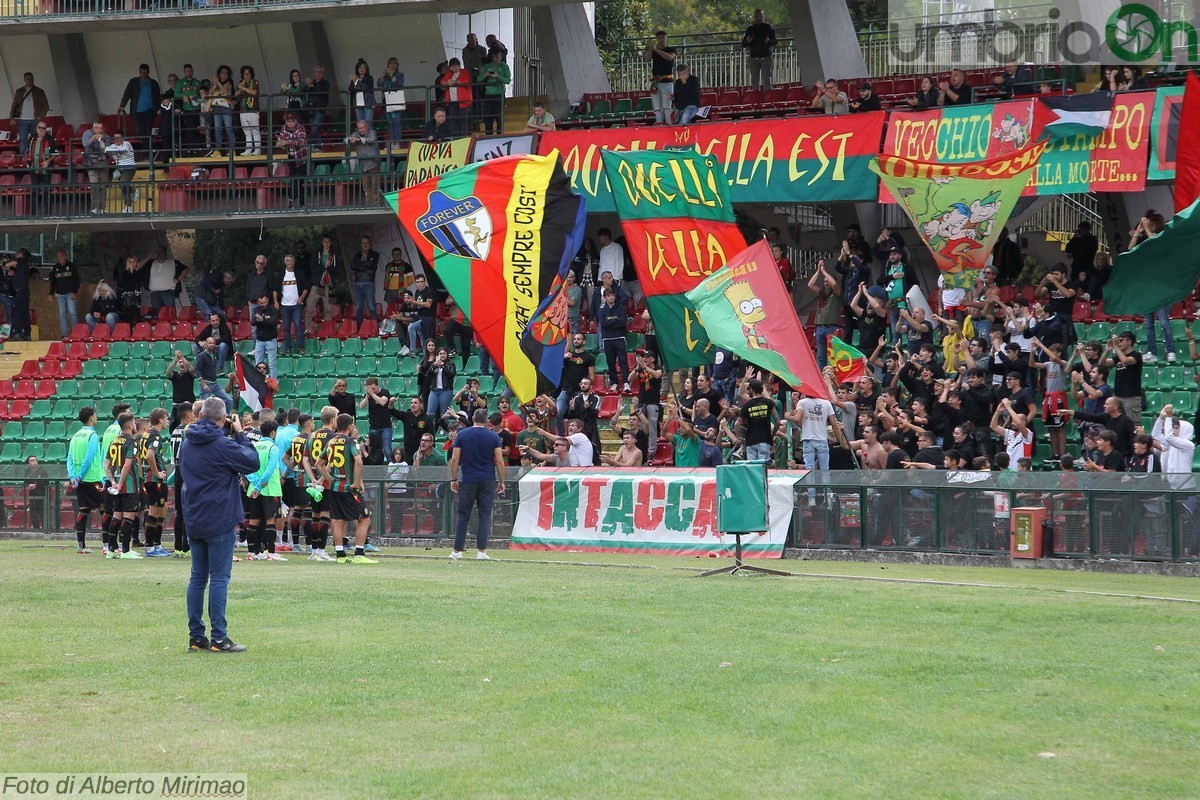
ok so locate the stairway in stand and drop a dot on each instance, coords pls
(13, 356)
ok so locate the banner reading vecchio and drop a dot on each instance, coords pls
(429, 159)
(805, 159)
(662, 512)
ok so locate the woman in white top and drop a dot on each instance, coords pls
(292, 297)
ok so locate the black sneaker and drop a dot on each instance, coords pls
(226, 646)
(197, 645)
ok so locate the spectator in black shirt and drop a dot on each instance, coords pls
(706, 391)
(978, 404)
(1126, 366)
(266, 332)
(613, 322)
(662, 59)
(687, 96)
(436, 128)
(1111, 459)
(182, 376)
(578, 364)
(585, 407)
(759, 42)
(1114, 419)
(219, 330)
(206, 371)
(364, 266)
(64, 284)
(1015, 79)
(424, 305)
(650, 396)
(1020, 396)
(342, 401)
(377, 401)
(210, 297)
(260, 283)
(896, 457)
(956, 91)
(416, 423)
(316, 103)
(1082, 248)
(867, 100)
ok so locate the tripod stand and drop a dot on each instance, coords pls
(738, 566)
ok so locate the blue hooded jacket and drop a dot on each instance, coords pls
(211, 465)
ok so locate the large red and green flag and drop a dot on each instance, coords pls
(1160, 271)
(678, 220)
(848, 362)
(500, 235)
(959, 209)
(747, 310)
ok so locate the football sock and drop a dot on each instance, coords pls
(127, 526)
(81, 520)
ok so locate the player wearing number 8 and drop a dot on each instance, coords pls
(342, 465)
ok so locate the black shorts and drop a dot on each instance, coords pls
(108, 501)
(345, 506)
(295, 496)
(156, 494)
(126, 503)
(322, 506)
(89, 496)
(261, 507)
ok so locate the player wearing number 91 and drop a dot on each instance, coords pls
(341, 465)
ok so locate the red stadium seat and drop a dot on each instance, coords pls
(52, 369)
(347, 329)
(242, 330)
(44, 389)
(327, 330)
(610, 405)
(120, 332)
(162, 331)
(17, 409)
(369, 329)
(57, 351)
(664, 454)
(140, 332)
(72, 367)
(98, 349)
(80, 333)
(25, 388)
(187, 314)
(30, 369)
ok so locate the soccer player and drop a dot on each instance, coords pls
(289, 428)
(120, 466)
(85, 469)
(186, 415)
(263, 493)
(314, 451)
(108, 523)
(141, 429)
(156, 456)
(295, 486)
(342, 467)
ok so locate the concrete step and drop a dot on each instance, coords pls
(14, 354)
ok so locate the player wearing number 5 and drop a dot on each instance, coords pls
(479, 452)
(342, 466)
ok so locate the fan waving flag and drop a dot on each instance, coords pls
(746, 309)
(959, 209)
(1063, 116)
(848, 363)
(500, 235)
(1187, 148)
(1160, 271)
(677, 217)
(252, 386)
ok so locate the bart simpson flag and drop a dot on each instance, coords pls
(746, 309)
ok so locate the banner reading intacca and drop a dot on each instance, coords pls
(658, 512)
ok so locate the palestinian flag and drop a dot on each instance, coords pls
(848, 363)
(747, 310)
(252, 386)
(678, 219)
(500, 235)
(1063, 116)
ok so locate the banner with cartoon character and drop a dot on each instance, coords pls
(1112, 159)
(746, 309)
(500, 235)
(677, 217)
(959, 209)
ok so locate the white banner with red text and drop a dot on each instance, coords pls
(656, 512)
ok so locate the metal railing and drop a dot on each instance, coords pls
(1059, 218)
(1112, 516)
(43, 9)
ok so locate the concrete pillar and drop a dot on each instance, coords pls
(312, 45)
(826, 45)
(76, 91)
(571, 65)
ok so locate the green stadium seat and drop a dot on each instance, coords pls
(159, 388)
(182, 345)
(1081, 331)
(372, 347)
(33, 430)
(67, 389)
(303, 365)
(56, 430)
(324, 366)
(1154, 401)
(10, 453)
(35, 449)
(1179, 331)
(1185, 402)
(331, 347)
(40, 409)
(601, 362)
(132, 389)
(1125, 326)
(1099, 331)
(345, 366)
(137, 368)
(89, 390)
(390, 345)
(592, 342)
(111, 388)
(147, 406)
(162, 350)
(1170, 378)
(68, 410)
(13, 432)
(118, 350)
(94, 368)
(644, 105)
(623, 108)
(472, 367)
(601, 109)
(56, 453)
(306, 387)
(352, 347)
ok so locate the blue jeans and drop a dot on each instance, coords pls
(759, 452)
(439, 401)
(364, 301)
(109, 319)
(418, 332)
(67, 318)
(212, 562)
(293, 327)
(205, 310)
(385, 442)
(823, 334)
(162, 299)
(208, 390)
(316, 119)
(25, 129)
(268, 351)
(687, 114)
(816, 454)
(364, 113)
(1161, 317)
(223, 126)
(474, 494)
(486, 365)
(395, 125)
